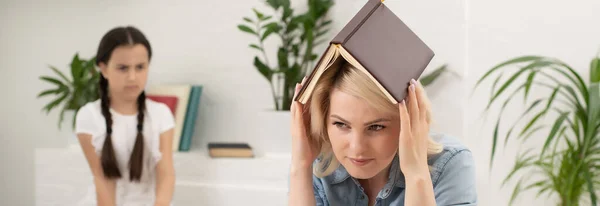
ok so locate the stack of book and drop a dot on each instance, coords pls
(184, 102)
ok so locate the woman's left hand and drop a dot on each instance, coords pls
(414, 132)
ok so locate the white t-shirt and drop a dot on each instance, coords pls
(157, 119)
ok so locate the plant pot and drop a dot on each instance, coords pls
(67, 132)
(272, 132)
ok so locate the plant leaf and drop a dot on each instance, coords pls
(493, 90)
(266, 18)
(263, 69)
(528, 83)
(590, 186)
(321, 33)
(256, 47)
(515, 192)
(282, 57)
(533, 105)
(76, 67)
(431, 77)
(494, 141)
(270, 28)
(506, 63)
(60, 74)
(555, 129)
(245, 28)
(248, 20)
(53, 81)
(50, 91)
(538, 128)
(512, 78)
(522, 161)
(295, 50)
(533, 121)
(287, 12)
(61, 116)
(595, 70)
(258, 14)
(55, 102)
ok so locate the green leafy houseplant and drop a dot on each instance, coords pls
(299, 35)
(567, 164)
(74, 92)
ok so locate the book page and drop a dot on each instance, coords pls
(327, 61)
(350, 59)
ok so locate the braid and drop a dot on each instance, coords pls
(137, 156)
(107, 159)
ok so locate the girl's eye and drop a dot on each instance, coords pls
(140, 67)
(340, 125)
(376, 127)
(122, 68)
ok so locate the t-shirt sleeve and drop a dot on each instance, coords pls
(167, 120)
(85, 122)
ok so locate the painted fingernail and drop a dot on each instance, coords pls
(412, 87)
(403, 102)
(413, 81)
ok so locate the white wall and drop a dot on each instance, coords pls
(498, 30)
(195, 42)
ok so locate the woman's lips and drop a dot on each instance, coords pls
(360, 162)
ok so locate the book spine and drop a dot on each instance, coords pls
(356, 22)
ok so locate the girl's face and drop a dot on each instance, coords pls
(127, 71)
(363, 139)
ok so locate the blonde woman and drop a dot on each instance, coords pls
(351, 146)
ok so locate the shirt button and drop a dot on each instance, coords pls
(362, 197)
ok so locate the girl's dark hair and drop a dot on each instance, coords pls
(116, 37)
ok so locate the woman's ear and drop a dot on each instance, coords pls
(103, 69)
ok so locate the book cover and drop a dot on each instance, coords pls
(216, 149)
(170, 101)
(182, 92)
(190, 118)
(379, 43)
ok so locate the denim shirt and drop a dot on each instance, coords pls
(452, 175)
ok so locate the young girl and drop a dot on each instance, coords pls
(125, 137)
(369, 151)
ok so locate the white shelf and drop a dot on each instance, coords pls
(63, 176)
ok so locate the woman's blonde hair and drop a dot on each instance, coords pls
(354, 82)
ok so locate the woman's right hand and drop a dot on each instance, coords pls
(304, 151)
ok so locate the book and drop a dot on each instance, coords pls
(216, 149)
(190, 118)
(182, 92)
(170, 101)
(378, 43)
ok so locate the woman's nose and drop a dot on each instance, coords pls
(357, 143)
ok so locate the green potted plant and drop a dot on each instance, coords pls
(567, 163)
(71, 93)
(299, 34)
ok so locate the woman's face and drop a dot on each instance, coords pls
(127, 71)
(363, 139)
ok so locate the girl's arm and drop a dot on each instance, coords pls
(105, 188)
(165, 178)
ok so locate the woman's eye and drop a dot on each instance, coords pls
(122, 69)
(340, 125)
(376, 127)
(140, 67)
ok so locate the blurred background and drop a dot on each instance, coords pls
(202, 43)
